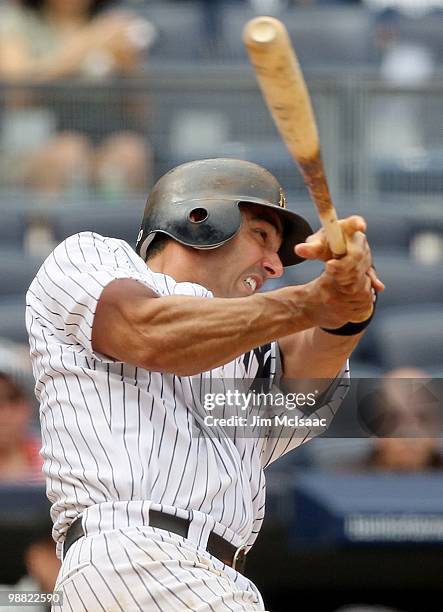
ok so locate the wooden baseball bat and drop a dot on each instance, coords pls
(284, 90)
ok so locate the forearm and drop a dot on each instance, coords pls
(68, 60)
(18, 63)
(188, 335)
(314, 353)
(191, 335)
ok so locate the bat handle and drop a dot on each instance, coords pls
(337, 244)
(315, 180)
(334, 233)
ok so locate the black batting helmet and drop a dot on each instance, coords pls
(197, 204)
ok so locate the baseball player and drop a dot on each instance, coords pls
(153, 509)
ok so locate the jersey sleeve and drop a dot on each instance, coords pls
(63, 297)
(282, 438)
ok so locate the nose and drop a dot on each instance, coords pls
(273, 265)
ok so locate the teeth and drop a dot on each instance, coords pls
(251, 282)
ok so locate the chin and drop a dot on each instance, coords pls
(235, 293)
(245, 293)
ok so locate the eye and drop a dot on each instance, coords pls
(262, 233)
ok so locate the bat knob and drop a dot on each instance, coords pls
(261, 30)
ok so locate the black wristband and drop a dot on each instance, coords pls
(350, 328)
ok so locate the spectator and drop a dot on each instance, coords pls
(409, 427)
(405, 455)
(401, 418)
(44, 40)
(19, 449)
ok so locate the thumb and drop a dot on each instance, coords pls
(313, 249)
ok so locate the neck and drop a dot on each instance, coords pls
(180, 262)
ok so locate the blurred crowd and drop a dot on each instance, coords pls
(78, 43)
(48, 40)
(21, 465)
(49, 150)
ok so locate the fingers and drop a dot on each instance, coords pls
(353, 224)
(345, 305)
(316, 246)
(377, 284)
(356, 293)
(351, 271)
(352, 268)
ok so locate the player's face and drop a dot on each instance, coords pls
(241, 266)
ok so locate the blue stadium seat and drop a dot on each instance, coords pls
(180, 35)
(122, 223)
(427, 238)
(12, 319)
(364, 369)
(16, 273)
(409, 336)
(347, 37)
(12, 229)
(387, 232)
(271, 154)
(407, 281)
(423, 28)
(420, 174)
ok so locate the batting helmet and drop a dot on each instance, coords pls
(197, 204)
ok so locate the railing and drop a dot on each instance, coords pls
(379, 141)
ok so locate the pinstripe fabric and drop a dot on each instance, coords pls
(119, 440)
(150, 569)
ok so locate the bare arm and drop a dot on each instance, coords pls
(17, 62)
(315, 354)
(107, 35)
(188, 335)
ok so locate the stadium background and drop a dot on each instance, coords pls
(374, 72)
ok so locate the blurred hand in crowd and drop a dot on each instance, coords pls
(49, 39)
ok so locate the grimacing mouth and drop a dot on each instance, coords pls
(253, 282)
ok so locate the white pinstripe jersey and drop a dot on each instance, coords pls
(118, 439)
